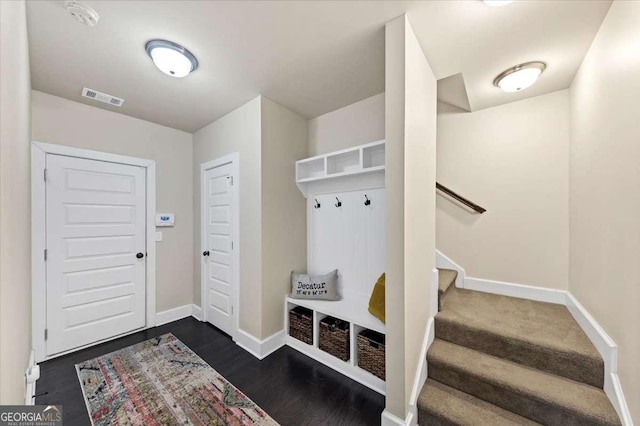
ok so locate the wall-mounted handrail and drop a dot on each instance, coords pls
(460, 198)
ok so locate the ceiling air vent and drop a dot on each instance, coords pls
(102, 97)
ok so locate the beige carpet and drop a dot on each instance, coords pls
(502, 360)
(446, 279)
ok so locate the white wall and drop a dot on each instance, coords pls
(15, 210)
(410, 123)
(284, 214)
(355, 124)
(512, 160)
(270, 139)
(605, 188)
(394, 218)
(239, 131)
(60, 121)
(419, 200)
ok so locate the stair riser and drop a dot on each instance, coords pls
(516, 402)
(427, 419)
(574, 367)
(446, 282)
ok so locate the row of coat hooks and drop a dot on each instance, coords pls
(317, 205)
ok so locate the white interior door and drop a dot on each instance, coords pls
(95, 266)
(217, 247)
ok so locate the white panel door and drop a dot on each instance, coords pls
(218, 259)
(95, 251)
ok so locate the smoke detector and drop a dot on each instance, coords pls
(82, 13)
(102, 97)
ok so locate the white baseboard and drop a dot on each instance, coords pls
(272, 343)
(522, 291)
(174, 314)
(260, 348)
(196, 312)
(608, 350)
(389, 419)
(422, 371)
(433, 292)
(613, 389)
(444, 262)
(604, 344)
(31, 387)
(429, 336)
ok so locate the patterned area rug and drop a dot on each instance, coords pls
(162, 382)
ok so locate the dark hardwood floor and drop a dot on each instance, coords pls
(292, 388)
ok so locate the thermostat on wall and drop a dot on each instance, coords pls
(165, 219)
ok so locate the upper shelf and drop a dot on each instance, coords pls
(354, 161)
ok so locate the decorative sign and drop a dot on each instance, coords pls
(310, 289)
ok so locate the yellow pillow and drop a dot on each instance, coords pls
(376, 302)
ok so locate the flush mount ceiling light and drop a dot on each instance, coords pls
(494, 3)
(171, 58)
(519, 77)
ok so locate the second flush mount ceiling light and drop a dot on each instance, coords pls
(171, 58)
(519, 77)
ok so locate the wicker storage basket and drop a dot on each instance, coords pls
(334, 337)
(371, 352)
(301, 324)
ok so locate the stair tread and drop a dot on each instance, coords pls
(446, 277)
(543, 325)
(456, 407)
(570, 396)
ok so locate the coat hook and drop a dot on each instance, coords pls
(339, 204)
(367, 200)
(316, 205)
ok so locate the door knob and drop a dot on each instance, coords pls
(139, 255)
(205, 253)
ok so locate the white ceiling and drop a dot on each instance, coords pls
(310, 56)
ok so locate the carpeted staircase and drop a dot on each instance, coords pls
(500, 360)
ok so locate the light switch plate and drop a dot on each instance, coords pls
(158, 236)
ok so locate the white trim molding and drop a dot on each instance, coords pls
(196, 312)
(260, 348)
(39, 151)
(422, 372)
(178, 313)
(174, 314)
(429, 335)
(234, 160)
(433, 292)
(613, 389)
(603, 343)
(444, 262)
(608, 351)
(539, 294)
(389, 419)
(30, 390)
